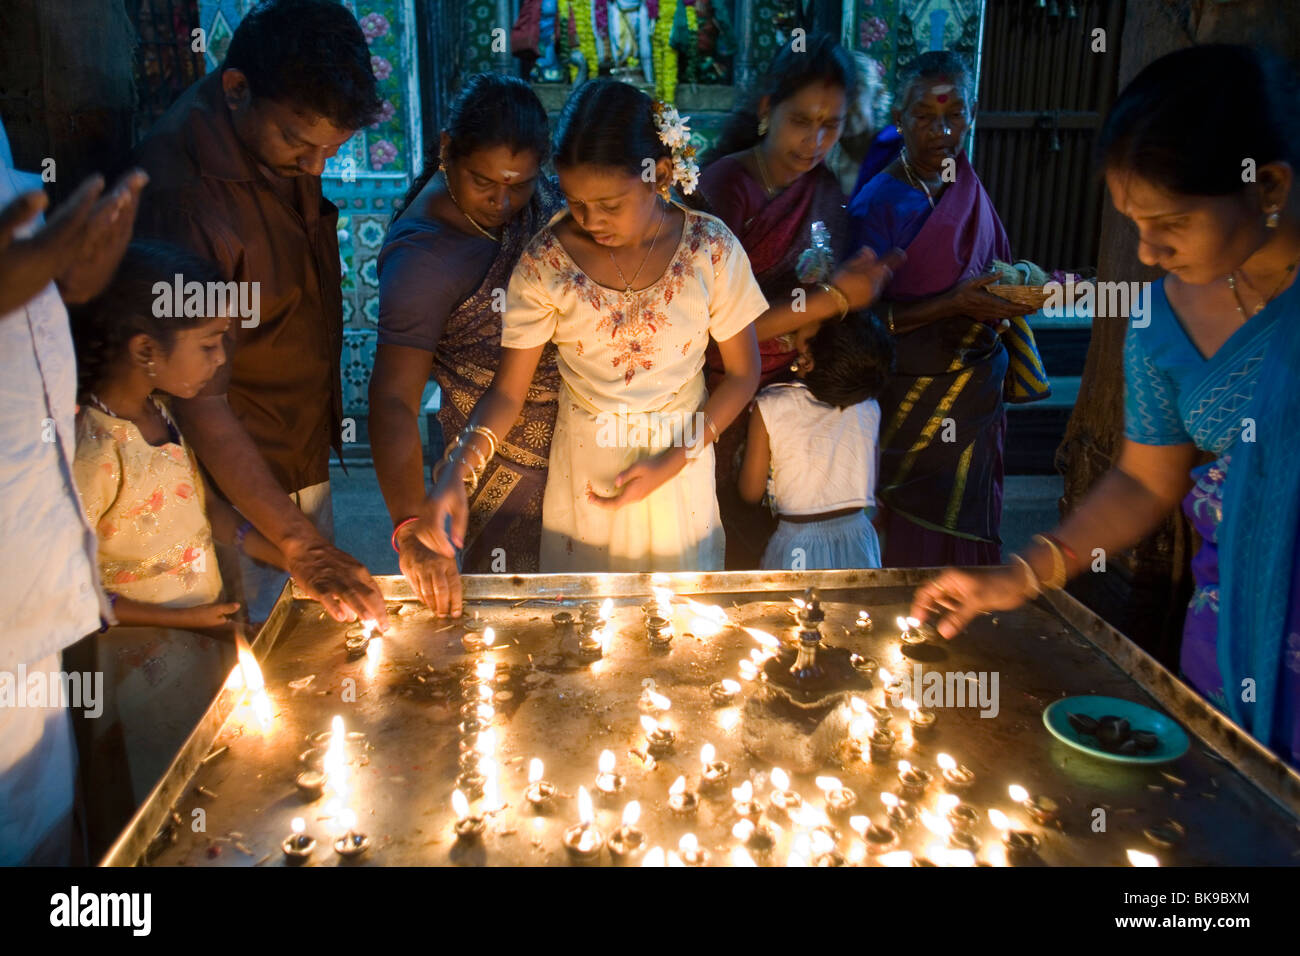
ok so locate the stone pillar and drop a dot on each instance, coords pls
(744, 63)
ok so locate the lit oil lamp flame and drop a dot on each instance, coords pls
(688, 844)
(707, 619)
(758, 658)
(374, 654)
(821, 843)
(707, 753)
(740, 856)
(747, 670)
(910, 705)
(936, 824)
(826, 784)
(368, 627)
(298, 825)
(664, 598)
(862, 727)
(485, 670)
(679, 786)
(858, 704)
(585, 816)
(886, 678)
(606, 609)
(487, 742)
(763, 638)
(1018, 793)
(606, 762)
(631, 814)
(912, 622)
(348, 820)
(800, 851)
(654, 857)
(947, 801)
(730, 686)
(251, 675)
(780, 779)
(744, 793)
(904, 766)
(999, 820)
(649, 724)
(945, 762)
(958, 858)
(901, 622)
(460, 804)
(799, 602)
(890, 800)
(535, 769)
(743, 829)
(1138, 858)
(895, 858)
(657, 700)
(489, 637)
(859, 824)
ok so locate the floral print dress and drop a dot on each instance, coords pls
(632, 368)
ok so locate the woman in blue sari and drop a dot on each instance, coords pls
(1211, 367)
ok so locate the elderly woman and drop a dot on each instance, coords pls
(943, 420)
(1213, 370)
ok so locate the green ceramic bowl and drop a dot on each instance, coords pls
(1173, 741)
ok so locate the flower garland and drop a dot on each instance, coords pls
(665, 57)
(676, 135)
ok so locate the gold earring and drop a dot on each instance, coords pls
(762, 126)
(150, 369)
(1271, 220)
(794, 366)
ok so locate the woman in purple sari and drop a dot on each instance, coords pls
(943, 422)
(767, 179)
(443, 272)
(1211, 367)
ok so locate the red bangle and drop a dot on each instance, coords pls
(400, 525)
(1065, 548)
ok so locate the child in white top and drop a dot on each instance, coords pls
(812, 448)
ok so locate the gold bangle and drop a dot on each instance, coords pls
(1059, 570)
(1035, 587)
(483, 459)
(889, 317)
(841, 300)
(487, 433)
(708, 420)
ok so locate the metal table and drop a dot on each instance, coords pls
(1234, 801)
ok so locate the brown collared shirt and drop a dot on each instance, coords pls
(206, 193)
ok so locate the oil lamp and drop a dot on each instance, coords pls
(744, 805)
(840, 800)
(901, 814)
(823, 849)
(608, 783)
(311, 784)
(659, 739)
(692, 854)
(894, 686)
(1043, 810)
(539, 793)
(660, 632)
(910, 629)
(591, 644)
(468, 826)
(563, 623)
(724, 692)
(864, 620)
(627, 840)
(1019, 845)
(878, 839)
(477, 637)
(653, 702)
(922, 721)
(955, 777)
(351, 844)
(912, 781)
(962, 816)
(481, 674)
(583, 841)
(680, 800)
(714, 774)
(298, 845)
(783, 798)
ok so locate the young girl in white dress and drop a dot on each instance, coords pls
(813, 448)
(630, 286)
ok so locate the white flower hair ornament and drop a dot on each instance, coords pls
(676, 135)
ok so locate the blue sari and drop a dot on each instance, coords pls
(1241, 639)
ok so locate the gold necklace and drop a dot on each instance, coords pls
(907, 168)
(627, 291)
(1236, 294)
(762, 171)
(447, 182)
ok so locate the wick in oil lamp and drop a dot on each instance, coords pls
(539, 793)
(690, 851)
(823, 849)
(475, 716)
(881, 742)
(659, 739)
(477, 637)
(1042, 810)
(298, 846)
(583, 841)
(748, 670)
(1020, 845)
(783, 798)
(681, 801)
(591, 645)
(724, 692)
(864, 620)
(743, 803)
(714, 772)
(653, 702)
(469, 827)
(351, 844)
(756, 835)
(922, 721)
(311, 784)
(840, 800)
(910, 630)
(627, 841)
(956, 778)
(901, 813)
(356, 643)
(608, 783)
(479, 676)
(962, 816)
(894, 686)
(878, 839)
(912, 781)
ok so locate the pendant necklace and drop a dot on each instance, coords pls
(762, 171)
(1231, 278)
(907, 168)
(447, 183)
(627, 291)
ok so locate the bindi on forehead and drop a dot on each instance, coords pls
(941, 91)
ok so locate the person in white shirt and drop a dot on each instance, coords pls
(813, 449)
(49, 592)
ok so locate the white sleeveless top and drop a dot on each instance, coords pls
(823, 458)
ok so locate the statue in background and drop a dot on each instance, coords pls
(627, 36)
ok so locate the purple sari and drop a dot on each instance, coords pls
(943, 419)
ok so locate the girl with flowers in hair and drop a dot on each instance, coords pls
(631, 287)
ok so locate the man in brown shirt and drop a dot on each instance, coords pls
(235, 168)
